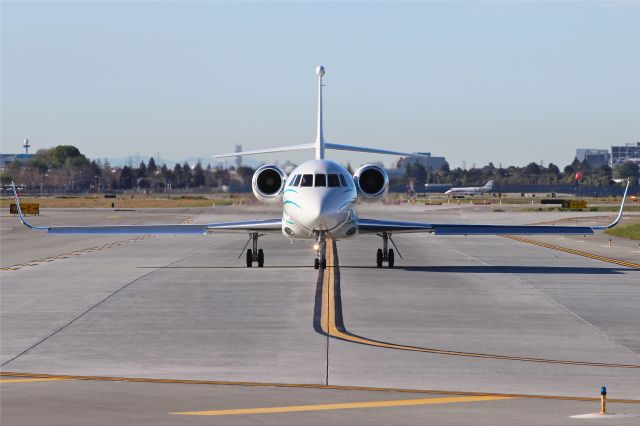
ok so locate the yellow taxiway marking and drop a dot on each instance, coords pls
(342, 406)
(328, 326)
(305, 386)
(40, 379)
(573, 251)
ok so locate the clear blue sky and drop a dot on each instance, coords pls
(506, 82)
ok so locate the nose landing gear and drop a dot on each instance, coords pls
(320, 262)
(385, 254)
(254, 254)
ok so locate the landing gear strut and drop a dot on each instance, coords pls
(254, 254)
(385, 254)
(320, 262)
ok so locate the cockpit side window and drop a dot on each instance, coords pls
(321, 180)
(333, 181)
(307, 180)
(343, 181)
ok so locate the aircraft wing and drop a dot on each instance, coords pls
(261, 226)
(374, 226)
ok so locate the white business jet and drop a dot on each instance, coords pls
(319, 200)
(470, 190)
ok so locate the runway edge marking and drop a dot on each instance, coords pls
(628, 264)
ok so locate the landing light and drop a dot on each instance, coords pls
(316, 246)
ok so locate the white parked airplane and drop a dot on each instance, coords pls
(470, 190)
(319, 200)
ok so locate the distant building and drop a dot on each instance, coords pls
(5, 159)
(430, 164)
(626, 152)
(593, 157)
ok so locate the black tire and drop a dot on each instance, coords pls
(390, 258)
(316, 263)
(379, 258)
(323, 263)
(249, 258)
(260, 258)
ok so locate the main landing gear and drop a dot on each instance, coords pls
(254, 254)
(385, 254)
(320, 262)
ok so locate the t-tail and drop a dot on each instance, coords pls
(320, 144)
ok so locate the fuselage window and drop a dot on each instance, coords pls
(295, 181)
(333, 181)
(307, 180)
(343, 181)
(321, 180)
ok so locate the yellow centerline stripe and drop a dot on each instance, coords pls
(574, 251)
(328, 325)
(304, 386)
(342, 406)
(41, 379)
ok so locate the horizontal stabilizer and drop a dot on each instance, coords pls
(353, 148)
(327, 145)
(268, 150)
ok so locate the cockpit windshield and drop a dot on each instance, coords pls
(333, 180)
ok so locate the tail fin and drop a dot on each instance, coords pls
(320, 145)
(320, 133)
(489, 185)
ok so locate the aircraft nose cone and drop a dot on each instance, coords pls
(321, 213)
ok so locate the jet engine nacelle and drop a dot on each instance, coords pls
(268, 183)
(371, 181)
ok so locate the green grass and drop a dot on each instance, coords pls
(627, 230)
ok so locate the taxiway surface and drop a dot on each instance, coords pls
(484, 315)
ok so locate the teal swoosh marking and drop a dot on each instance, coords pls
(290, 222)
(344, 205)
(290, 190)
(293, 204)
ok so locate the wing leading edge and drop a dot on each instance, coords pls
(262, 226)
(373, 226)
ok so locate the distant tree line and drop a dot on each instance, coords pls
(65, 169)
(531, 174)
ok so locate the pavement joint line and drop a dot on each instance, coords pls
(342, 406)
(305, 386)
(632, 265)
(330, 322)
(552, 300)
(38, 343)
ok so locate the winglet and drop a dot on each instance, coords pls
(615, 222)
(20, 215)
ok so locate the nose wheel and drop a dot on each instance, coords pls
(320, 262)
(385, 254)
(254, 255)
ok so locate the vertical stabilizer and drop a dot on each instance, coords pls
(320, 134)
